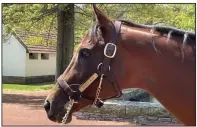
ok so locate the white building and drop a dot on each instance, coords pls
(27, 64)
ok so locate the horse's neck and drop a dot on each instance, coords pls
(165, 76)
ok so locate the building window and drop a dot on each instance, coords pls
(33, 55)
(44, 56)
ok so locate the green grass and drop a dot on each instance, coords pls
(18, 87)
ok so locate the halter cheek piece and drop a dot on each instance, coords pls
(104, 67)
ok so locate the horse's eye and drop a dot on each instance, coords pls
(85, 52)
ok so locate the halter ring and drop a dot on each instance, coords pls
(98, 67)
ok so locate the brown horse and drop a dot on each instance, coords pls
(116, 55)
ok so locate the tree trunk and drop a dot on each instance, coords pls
(65, 39)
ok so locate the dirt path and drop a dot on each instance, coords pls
(25, 108)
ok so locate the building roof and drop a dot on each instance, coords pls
(22, 37)
(40, 49)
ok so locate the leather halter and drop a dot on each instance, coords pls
(104, 68)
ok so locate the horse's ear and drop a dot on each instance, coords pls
(100, 17)
(104, 21)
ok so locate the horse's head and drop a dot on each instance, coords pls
(90, 72)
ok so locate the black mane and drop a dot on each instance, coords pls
(162, 29)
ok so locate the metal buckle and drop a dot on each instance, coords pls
(105, 50)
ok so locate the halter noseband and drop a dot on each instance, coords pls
(109, 53)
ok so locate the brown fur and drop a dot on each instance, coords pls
(136, 65)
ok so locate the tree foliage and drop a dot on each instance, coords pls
(30, 18)
(42, 17)
(181, 16)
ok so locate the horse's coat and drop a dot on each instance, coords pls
(160, 60)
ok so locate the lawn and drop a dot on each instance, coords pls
(19, 87)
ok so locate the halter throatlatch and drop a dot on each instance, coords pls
(75, 96)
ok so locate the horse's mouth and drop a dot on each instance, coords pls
(62, 117)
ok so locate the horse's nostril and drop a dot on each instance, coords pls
(47, 106)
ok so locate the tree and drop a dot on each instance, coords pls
(65, 39)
